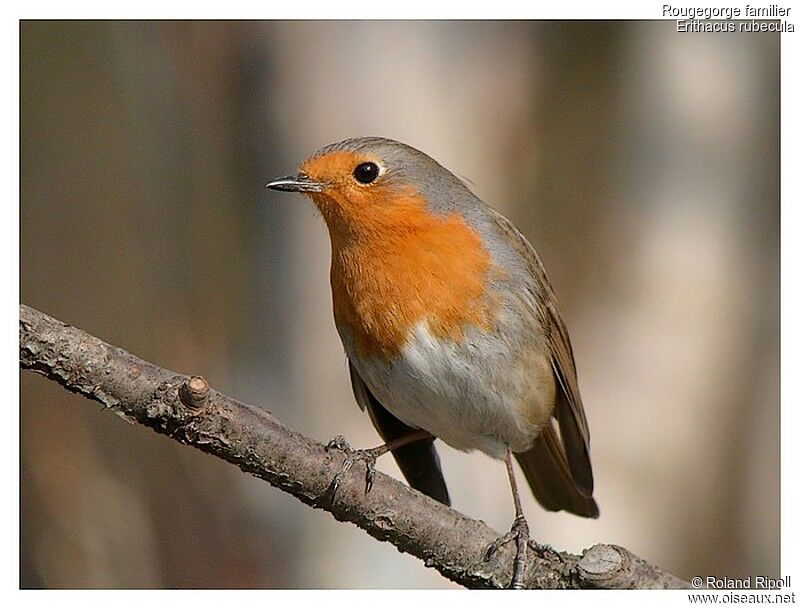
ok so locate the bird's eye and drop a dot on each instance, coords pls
(366, 172)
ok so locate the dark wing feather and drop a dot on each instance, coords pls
(569, 412)
(573, 441)
(547, 471)
(418, 461)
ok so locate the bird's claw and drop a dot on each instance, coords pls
(367, 456)
(338, 443)
(519, 533)
(544, 550)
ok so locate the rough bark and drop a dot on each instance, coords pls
(186, 409)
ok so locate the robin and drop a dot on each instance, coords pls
(450, 326)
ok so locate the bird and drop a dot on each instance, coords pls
(450, 326)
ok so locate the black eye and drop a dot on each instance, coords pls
(366, 172)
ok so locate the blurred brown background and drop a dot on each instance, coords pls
(642, 163)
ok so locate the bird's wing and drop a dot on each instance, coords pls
(548, 473)
(574, 430)
(418, 461)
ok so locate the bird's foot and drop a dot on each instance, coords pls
(545, 550)
(367, 456)
(519, 533)
(338, 443)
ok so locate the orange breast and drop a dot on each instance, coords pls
(397, 265)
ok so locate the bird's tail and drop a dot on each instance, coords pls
(547, 471)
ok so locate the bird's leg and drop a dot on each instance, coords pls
(519, 531)
(368, 456)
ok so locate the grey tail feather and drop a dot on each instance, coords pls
(420, 465)
(576, 448)
(418, 461)
(548, 473)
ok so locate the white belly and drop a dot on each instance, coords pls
(476, 394)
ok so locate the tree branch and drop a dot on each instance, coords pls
(187, 410)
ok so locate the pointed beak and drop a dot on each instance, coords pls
(299, 183)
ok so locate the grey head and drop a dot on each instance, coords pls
(397, 163)
(444, 193)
